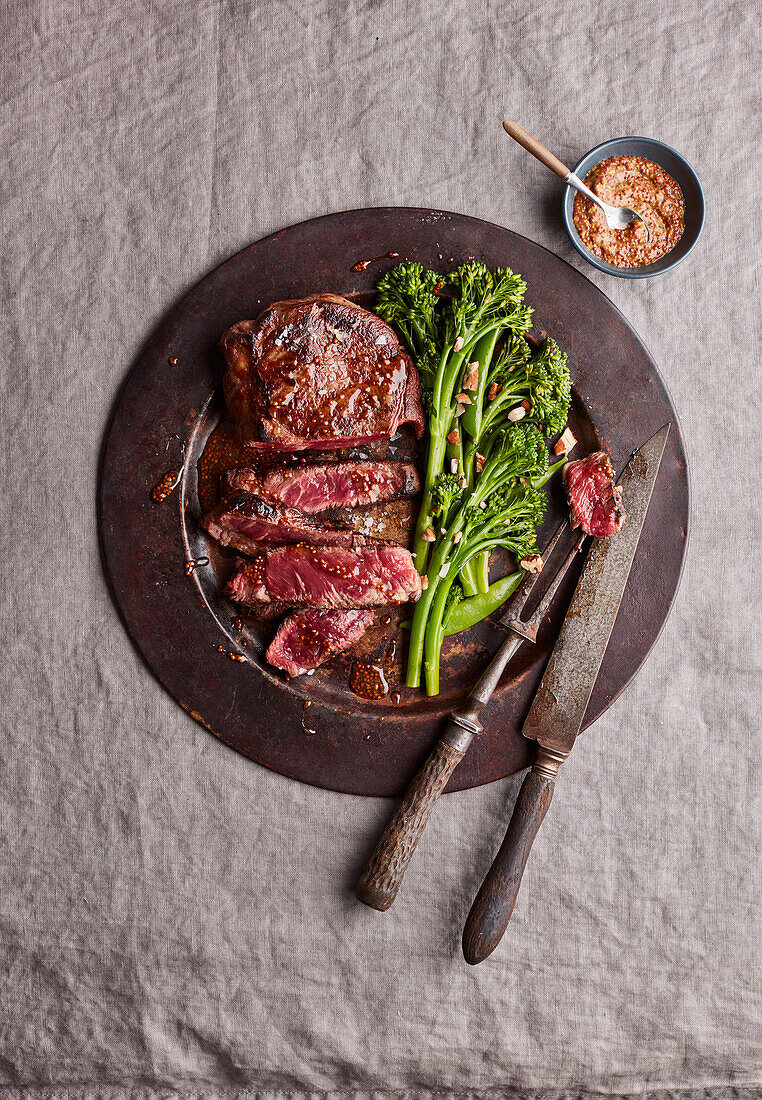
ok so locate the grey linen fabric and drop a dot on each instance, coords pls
(175, 920)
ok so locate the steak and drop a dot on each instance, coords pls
(305, 639)
(314, 488)
(244, 584)
(248, 522)
(328, 576)
(318, 372)
(596, 502)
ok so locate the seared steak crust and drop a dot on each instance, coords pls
(318, 372)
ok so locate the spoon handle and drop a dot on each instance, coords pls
(533, 146)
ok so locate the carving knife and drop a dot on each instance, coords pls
(559, 706)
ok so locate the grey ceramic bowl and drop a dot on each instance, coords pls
(668, 159)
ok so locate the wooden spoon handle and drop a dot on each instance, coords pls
(382, 877)
(494, 903)
(533, 146)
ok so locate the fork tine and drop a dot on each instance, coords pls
(546, 600)
(516, 604)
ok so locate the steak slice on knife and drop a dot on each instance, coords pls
(305, 639)
(328, 576)
(317, 487)
(249, 522)
(596, 502)
(318, 372)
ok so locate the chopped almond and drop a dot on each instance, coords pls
(463, 483)
(444, 571)
(459, 409)
(532, 565)
(453, 465)
(463, 398)
(525, 405)
(458, 345)
(457, 537)
(471, 381)
(424, 583)
(493, 391)
(517, 414)
(428, 535)
(479, 462)
(566, 443)
(454, 437)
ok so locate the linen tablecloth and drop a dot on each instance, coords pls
(175, 920)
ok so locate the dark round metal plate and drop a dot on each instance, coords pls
(187, 632)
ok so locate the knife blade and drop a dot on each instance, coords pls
(558, 709)
(556, 714)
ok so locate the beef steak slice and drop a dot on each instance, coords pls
(596, 502)
(318, 372)
(316, 487)
(248, 522)
(306, 639)
(373, 575)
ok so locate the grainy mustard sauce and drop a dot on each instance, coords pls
(645, 188)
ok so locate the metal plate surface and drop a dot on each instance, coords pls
(187, 632)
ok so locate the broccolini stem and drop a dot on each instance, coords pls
(482, 354)
(434, 463)
(468, 580)
(435, 634)
(440, 425)
(480, 570)
(435, 628)
(423, 607)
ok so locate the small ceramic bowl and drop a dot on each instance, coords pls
(668, 159)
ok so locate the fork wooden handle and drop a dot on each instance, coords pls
(494, 903)
(382, 877)
(533, 146)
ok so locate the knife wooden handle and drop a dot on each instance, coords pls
(494, 903)
(382, 877)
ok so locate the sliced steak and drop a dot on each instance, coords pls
(305, 639)
(328, 576)
(317, 487)
(596, 502)
(249, 522)
(245, 584)
(318, 372)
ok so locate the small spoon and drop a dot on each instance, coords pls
(617, 217)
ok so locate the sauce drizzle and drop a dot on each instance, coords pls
(361, 265)
(194, 564)
(164, 488)
(368, 680)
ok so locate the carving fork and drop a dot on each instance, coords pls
(381, 880)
